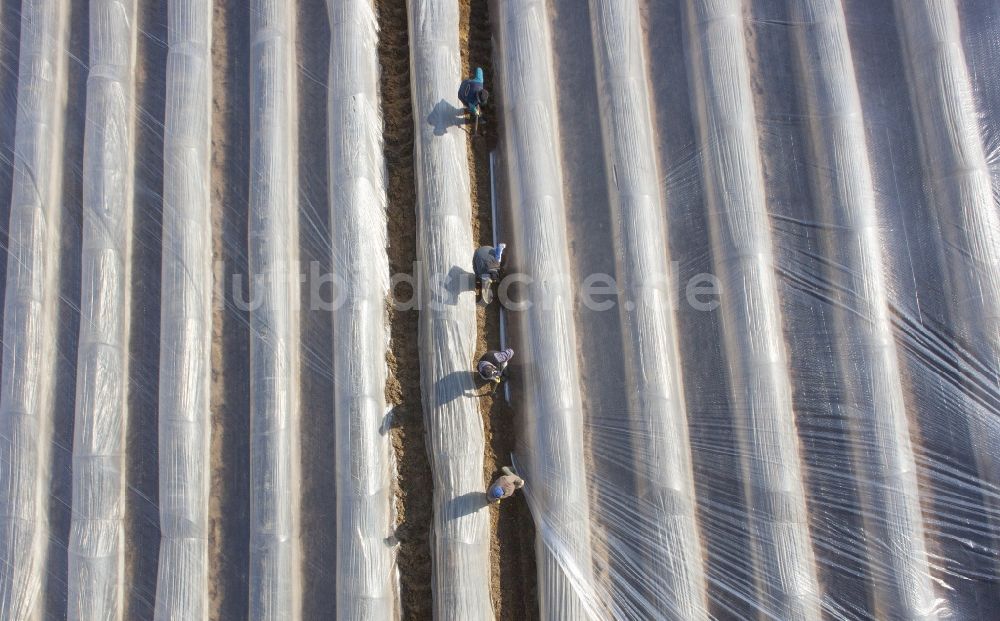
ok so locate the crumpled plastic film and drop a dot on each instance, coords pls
(186, 325)
(367, 581)
(743, 260)
(664, 507)
(961, 190)
(274, 315)
(831, 165)
(842, 181)
(552, 432)
(96, 545)
(31, 309)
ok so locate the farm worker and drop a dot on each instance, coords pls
(492, 364)
(472, 93)
(486, 264)
(504, 486)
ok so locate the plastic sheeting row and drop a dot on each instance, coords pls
(460, 546)
(366, 560)
(30, 307)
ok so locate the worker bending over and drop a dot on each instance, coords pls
(472, 93)
(493, 364)
(504, 486)
(486, 264)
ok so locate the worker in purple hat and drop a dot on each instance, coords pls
(492, 364)
(504, 486)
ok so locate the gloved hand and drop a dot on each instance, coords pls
(485, 291)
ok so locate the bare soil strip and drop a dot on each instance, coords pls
(413, 493)
(142, 520)
(512, 554)
(318, 491)
(61, 489)
(229, 509)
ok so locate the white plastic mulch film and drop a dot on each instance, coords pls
(754, 263)
(97, 536)
(366, 565)
(186, 311)
(31, 308)
(460, 545)
(779, 399)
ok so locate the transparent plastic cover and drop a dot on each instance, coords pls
(751, 279)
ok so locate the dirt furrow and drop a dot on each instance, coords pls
(318, 511)
(142, 524)
(229, 508)
(512, 553)
(413, 493)
(69, 319)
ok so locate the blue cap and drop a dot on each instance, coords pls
(496, 492)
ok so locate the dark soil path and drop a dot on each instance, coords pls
(229, 506)
(413, 498)
(512, 556)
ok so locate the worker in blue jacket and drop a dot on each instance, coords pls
(472, 93)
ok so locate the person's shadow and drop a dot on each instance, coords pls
(460, 281)
(389, 422)
(454, 385)
(466, 504)
(445, 115)
(445, 288)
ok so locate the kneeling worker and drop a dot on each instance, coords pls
(493, 364)
(472, 93)
(486, 264)
(504, 486)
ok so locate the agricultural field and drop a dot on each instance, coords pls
(751, 281)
